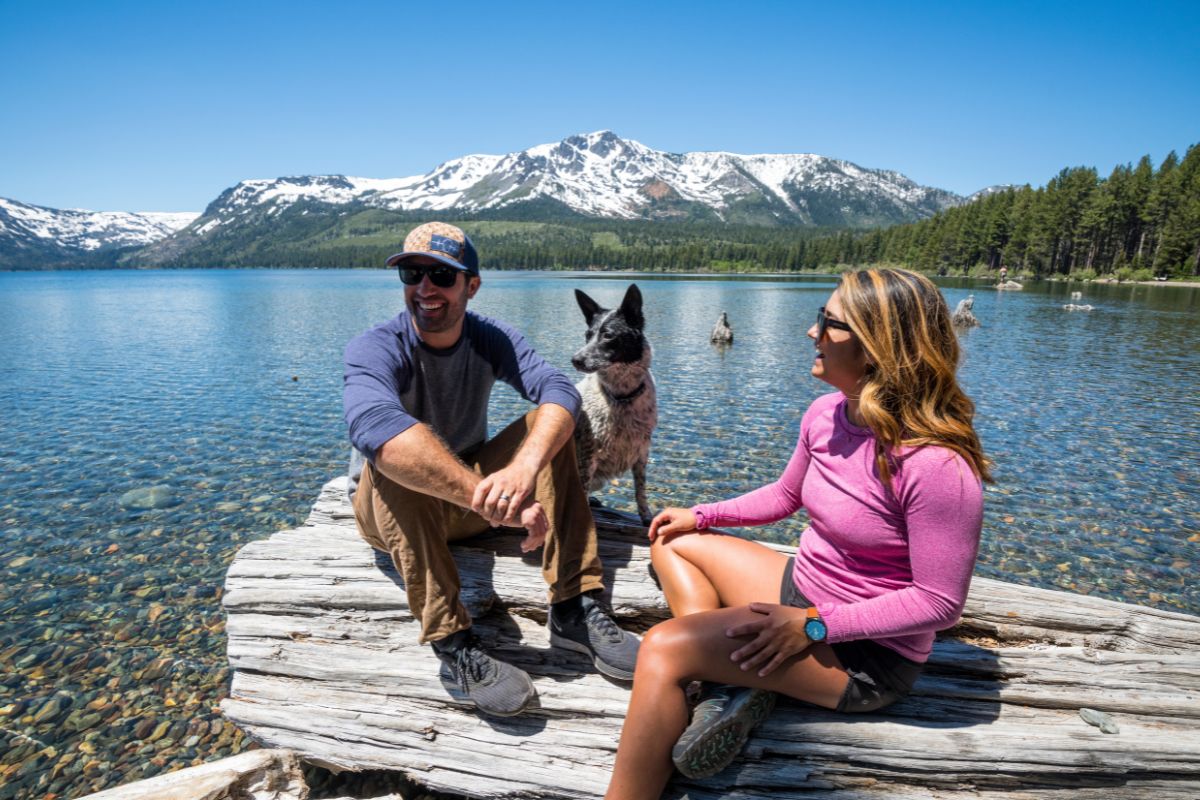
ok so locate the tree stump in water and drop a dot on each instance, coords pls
(721, 332)
(326, 663)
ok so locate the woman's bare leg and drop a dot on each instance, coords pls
(696, 647)
(705, 571)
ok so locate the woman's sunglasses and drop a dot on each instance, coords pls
(824, 322)
(441, 277)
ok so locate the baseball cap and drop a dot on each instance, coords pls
(445, 243)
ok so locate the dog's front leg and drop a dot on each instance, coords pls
(639, 490)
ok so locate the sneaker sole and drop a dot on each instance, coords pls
(606, 669)
(716, 748)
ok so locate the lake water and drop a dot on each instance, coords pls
(224, 386)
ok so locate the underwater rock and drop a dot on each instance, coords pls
(149, 497)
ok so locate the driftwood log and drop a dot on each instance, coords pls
(255, 775)
(326, 663)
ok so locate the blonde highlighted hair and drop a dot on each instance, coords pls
(910, 394)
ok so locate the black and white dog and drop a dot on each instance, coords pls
(620, 407)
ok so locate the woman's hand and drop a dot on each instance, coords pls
(671, 521)
(778, 635)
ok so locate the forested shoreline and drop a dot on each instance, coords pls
(1138, 223)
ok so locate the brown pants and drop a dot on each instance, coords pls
(415, 529)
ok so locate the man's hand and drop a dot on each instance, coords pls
(671, 521)
(533, 519)
(500, 497)
(778, 635)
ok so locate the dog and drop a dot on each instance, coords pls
(620, 405)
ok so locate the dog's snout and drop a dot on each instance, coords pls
(585, 359)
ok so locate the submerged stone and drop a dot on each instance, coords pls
(149, 497)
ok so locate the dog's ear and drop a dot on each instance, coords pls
(631, 307)
(586, 304)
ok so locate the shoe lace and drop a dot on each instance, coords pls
(602, 623)
(472, 661)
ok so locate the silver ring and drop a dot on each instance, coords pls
(505, 497)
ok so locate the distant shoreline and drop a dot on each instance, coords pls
(601, 272)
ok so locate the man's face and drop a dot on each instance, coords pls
(435, 310)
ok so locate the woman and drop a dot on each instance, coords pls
(890, 470)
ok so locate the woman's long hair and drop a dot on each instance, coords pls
(910, 395)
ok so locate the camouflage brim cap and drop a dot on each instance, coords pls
(446, 243)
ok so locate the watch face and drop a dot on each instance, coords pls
(815, 630)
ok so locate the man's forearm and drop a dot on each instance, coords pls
(552, 427)
(419, 460)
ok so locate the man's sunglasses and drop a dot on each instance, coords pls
(824, 322)
(441, 277)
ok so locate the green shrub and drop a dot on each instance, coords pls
(981, 271)
(1084, 275)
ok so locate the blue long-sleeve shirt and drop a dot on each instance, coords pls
(393, 380)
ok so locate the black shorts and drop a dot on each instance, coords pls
(879, 676)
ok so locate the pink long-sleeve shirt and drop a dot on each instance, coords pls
(892, 565)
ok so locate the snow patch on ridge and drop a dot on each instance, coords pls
(88, 230)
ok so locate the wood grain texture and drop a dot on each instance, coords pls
(326, 663)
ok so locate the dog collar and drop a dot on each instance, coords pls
(626, 398)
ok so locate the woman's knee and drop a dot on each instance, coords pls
(664, 548)
(668, 650)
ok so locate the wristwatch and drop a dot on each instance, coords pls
(814, 626)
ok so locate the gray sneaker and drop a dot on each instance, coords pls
(496, 688)
(720, 725)
(581, 624)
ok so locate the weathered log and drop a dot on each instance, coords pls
(256, 775)
(326, 662)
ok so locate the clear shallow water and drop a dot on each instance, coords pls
(225, 387)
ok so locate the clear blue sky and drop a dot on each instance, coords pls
(159, 106)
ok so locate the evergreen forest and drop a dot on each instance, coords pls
(1137, 223)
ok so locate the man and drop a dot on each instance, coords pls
(416, 397)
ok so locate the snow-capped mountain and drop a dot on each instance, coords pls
(597, 176)
(603, 175)
(75, 234)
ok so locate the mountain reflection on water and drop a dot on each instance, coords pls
(223, 387)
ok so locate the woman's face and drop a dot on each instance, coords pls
(841, 361)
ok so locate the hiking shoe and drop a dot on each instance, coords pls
(720, 725)
(496, 688)
(581, 624)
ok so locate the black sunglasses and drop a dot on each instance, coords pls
(824, 321)
(441, 277)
